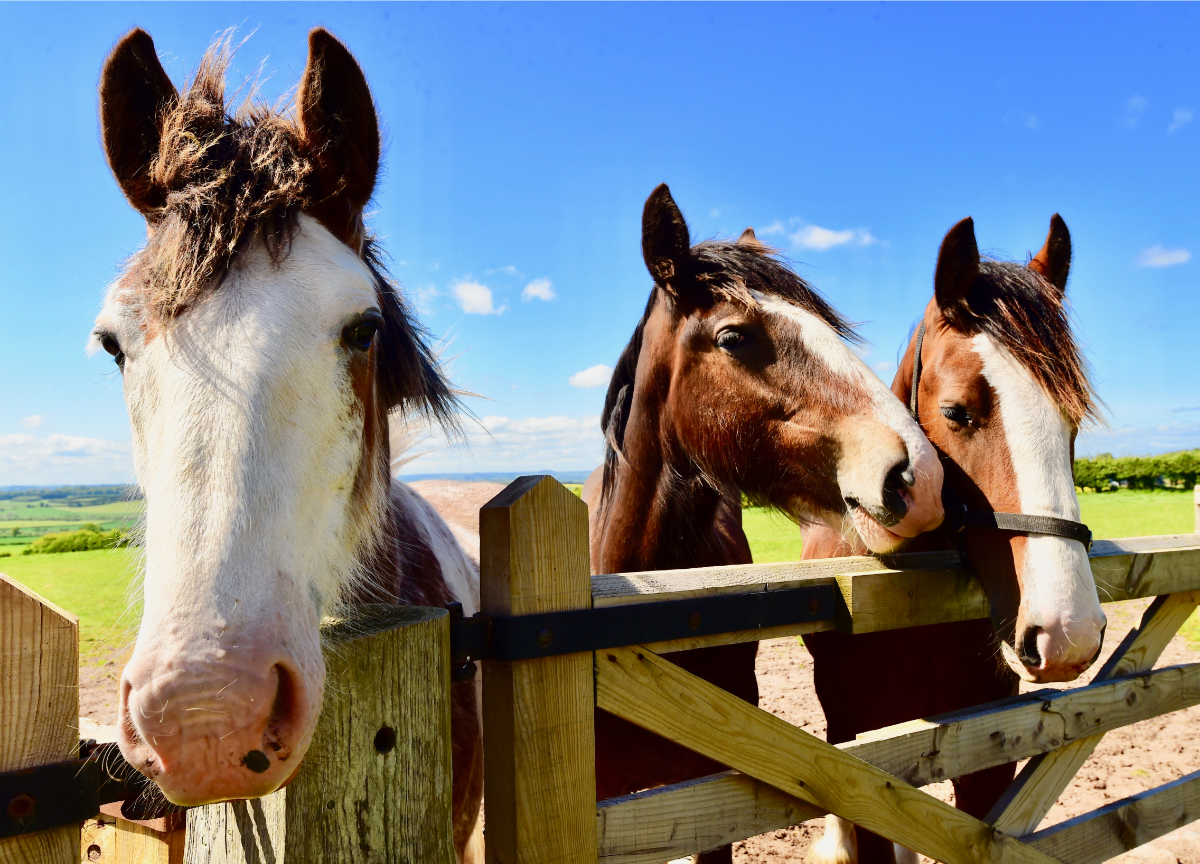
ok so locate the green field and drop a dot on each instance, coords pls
(95, 585)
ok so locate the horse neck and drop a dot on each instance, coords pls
(661, 514)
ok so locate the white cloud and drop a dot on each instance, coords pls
(714, 212)
(1135, 107)
(1031, 121)
(539, 288)
(816, 237)
(884, 366)
(56, 459)
(425, 297)
(508, 270)
(1157, 256)
(476, 299)
(775, 227)
(33, 421)
(1183, 116)
(593, 376)
(1138, 440)
(526, 445)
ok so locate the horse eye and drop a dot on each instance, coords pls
(113, 347)
(728, 340)
(360, 335)
(957, 414)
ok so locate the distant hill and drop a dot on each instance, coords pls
(500, 477)
(71, 496)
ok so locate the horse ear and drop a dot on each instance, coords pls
(749, 238)
(1054, 261)
(336, 119)
(135, 94)
(957, 265)
(666, 245)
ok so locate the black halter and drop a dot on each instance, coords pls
(959, 518)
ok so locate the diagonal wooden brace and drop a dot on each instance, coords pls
(1027, 801)
(640, 686)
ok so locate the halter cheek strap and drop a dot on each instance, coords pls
(960, 518)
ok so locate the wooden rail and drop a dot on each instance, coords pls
(786, 776)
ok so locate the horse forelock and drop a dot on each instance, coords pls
(1028, 317)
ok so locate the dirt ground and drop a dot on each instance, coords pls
(1129, 760)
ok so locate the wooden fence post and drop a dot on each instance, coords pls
(1196, 505)
(539, 747)
(375, 784)
(39, 710)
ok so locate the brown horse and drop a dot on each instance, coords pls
(738, 380)
(1001, 393)
(262, 347)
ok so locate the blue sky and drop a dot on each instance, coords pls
(523, 139)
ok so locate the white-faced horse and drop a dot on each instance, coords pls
(262, 347)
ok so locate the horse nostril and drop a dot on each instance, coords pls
(897, 480)
(1029, 655)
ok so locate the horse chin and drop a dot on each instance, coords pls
(874, 535)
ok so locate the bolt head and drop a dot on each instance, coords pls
(21, 806)
(545, 636)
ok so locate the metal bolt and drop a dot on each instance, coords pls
(21, 806)
(813, 605)
(94, 852)
(693, 620)
(545, 636)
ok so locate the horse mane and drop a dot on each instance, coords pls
(231, 175)
(724, 269)
(1027, 315)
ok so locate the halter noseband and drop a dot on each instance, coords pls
(960, 518)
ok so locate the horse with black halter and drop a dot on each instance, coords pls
(996, 380)
(738, 380)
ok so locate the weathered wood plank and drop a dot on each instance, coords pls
(1196, 502)
(39, 706)
(647, 690)
(1027, 801)
(677, 818)
(375, 784)
(685, 818)
(910, 590)
(539, 758)
(1123, 825)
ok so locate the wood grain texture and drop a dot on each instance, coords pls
(1027, 801)
(1196, 507)
(39, 706)
(682, 818)
(539, 737)
(1123, 825)
(647, 690)
(350, 802)
(671, 822)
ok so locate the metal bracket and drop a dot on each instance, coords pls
(527, 637)
(67, 793)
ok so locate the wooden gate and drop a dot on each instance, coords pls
(539, 735)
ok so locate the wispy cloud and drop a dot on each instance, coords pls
(54, 459)
(425, 296)
(1182, 117)
(820, 239)
(1157, 256)
(539, 288)
(884, 366)
(508, 270)
(33, 421)
(475, 298)
(498, 443)
(1136, 440)
(592, 377)
(775, 227)
(1135, 107)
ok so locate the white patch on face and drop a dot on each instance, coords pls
(1058, 591)
(867, 455)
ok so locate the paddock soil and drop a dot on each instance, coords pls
(1128, 761)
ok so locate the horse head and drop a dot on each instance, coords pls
(261, 347)
(1001, 392)
(740, 377)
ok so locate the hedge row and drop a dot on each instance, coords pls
(1181, 468)
(85, 539)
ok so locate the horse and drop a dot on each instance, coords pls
(262, 346)
(998, 383)
(739, 380)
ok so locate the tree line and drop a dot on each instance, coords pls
(1102, 472)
